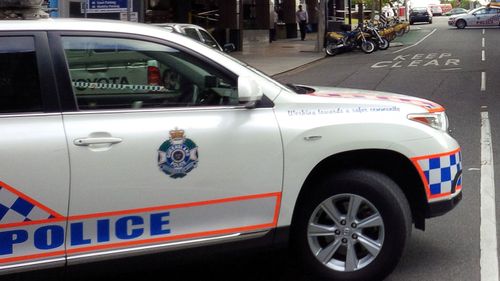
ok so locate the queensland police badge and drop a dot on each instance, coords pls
(178, 155)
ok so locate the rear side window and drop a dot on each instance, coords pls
(209, 40)
(19, 78)
(191, 32)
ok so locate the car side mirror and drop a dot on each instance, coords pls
(229, 47)
(249, 91)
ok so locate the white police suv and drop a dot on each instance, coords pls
(119, 139)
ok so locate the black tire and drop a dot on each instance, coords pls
(383, 44)
(368, 46)
(430, 21)
(331, 49)
(390, 226)
(461, 24)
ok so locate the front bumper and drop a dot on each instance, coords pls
(441, 175)
(439, 208)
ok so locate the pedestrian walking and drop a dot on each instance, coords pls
(302, 19)
(273, 21)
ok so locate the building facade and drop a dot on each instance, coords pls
(230, 21)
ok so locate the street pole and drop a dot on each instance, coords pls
(321, 26)
(85, 5)
(129, 9)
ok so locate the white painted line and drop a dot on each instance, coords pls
(482, 43)
(483, 31)
(420, 41)
(483, 57)
(483, 81)
(451, 69)
(488, 229)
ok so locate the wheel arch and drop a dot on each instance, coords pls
(393, 164)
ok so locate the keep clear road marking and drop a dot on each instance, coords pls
(420, 41)
(488, 230)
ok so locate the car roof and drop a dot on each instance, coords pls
(183, 25)
(90, 25)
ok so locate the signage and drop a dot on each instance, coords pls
(106, 6)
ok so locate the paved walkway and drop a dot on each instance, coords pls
(281, 55)
(287, 54)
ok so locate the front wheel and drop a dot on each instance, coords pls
(352, 226)
(461, 24)
(331, 49)
(368, 46)
(383, 44)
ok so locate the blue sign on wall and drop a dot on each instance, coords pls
(107, 6)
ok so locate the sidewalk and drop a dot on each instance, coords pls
(281, 55)
(287, 54)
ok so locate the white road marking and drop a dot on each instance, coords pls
(483, 56)
(488, 230)
(482, 43)
(451, 69)
(420, 41)
(483, 31)
(483, 81)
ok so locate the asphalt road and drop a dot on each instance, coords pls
(447, 68)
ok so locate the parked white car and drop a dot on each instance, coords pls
(482, 16)
(203, 150)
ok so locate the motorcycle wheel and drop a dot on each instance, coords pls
(368, 47)
(383, 44)
(331, 49)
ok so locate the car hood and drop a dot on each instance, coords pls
(356, 96)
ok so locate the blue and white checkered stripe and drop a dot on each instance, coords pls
(14, 209)
(441, 171)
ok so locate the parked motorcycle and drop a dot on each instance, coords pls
(348, 40)
(381, 42)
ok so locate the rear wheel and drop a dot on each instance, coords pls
(367, 46)
(461, 24)
(353, 226)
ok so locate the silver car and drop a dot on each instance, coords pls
(197, 33)
(482, 16)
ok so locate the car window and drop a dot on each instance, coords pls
(114, 73)
(481, 12)
(191, 32)
(209, 40)
(19, 77)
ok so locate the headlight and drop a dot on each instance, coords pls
(436, 120)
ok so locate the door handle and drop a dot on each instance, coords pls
(91, 141)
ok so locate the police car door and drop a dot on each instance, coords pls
(481, 17)
(34, 170)
(168, 157)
